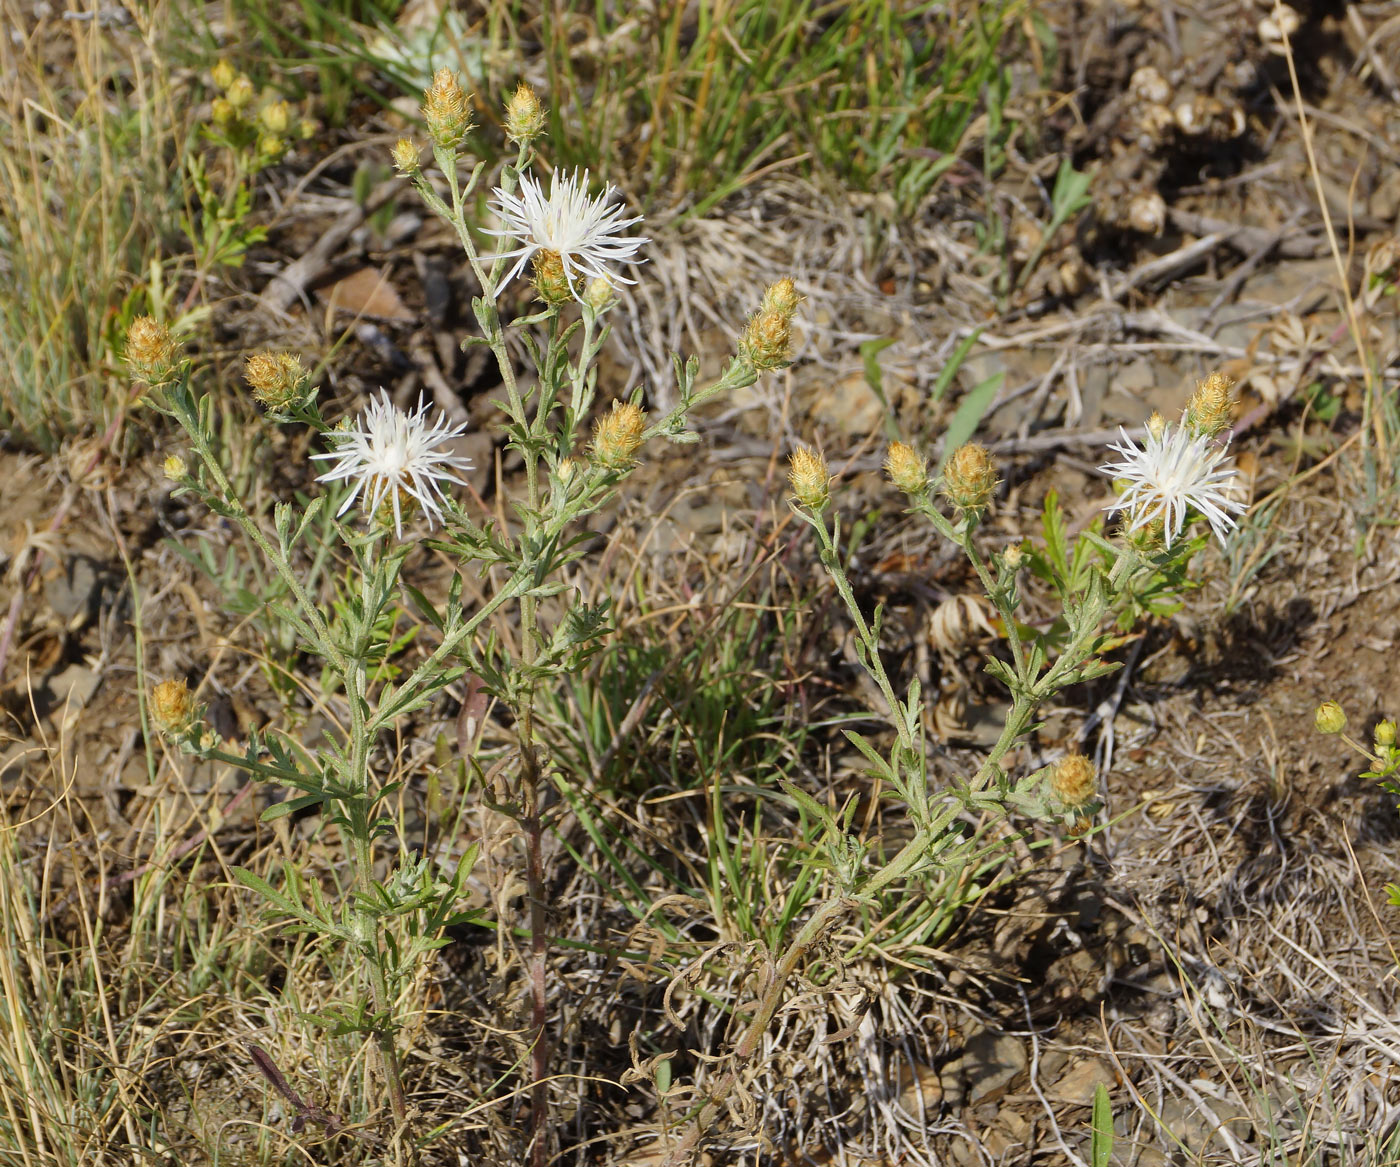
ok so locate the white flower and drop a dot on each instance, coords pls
(1177, 470)
(393, 451)
(585, 232)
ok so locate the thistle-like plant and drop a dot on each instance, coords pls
(401, 473)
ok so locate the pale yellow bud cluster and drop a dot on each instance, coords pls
(811, 483)
(1208, 411)
(766, 341)
(524, 115)
(617, 436)
(151, 353)
(1074, 781)
(907, 469)
(970, 478)
(278, 380)
(172, 707)
(446, 111)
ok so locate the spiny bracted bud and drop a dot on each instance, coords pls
(278, 380)
(175, 468)
(551, 280)
(276, 116)
(766, 341)
(1156, 425)
(618, 435)
(1013, 556)
(172, 707)
(1208, 411)
(524, 115)
(1074, 781)
(811, 484)
(907, 469)
(240, 92)
(1329, 718)
(599, 293)
(970, 479)
(151, 354)
(405, 156)
(566, 470)
(445, 110)
(223, 74)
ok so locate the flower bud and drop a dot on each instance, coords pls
(172, 707)
(907, 470)
(222, 112)
(1384, 734)
(618, 435)
(406, 157)
(1073, 780)
(240, 92)
(271, 146)
(445, 110)
(306, 128)
(223, 74)
(151, 354)
(566, 470)
(1329, 718)
(551, 280)
(970, 478)
(278, 380)
(599, 293)
(276, 116)
(524, 115)
(809, 478)
(1156, 425)
(175, 468)
(1013, 556)
(1208, 411)
(766, 341)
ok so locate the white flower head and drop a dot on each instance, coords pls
(393, 452)
(587, 233)
(1176, 471)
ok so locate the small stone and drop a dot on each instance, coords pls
(1078, 1084)
(990, 1062)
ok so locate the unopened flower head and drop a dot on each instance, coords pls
(524, 115)
(445, 110)
(222, 112)
(172, 707)
(599, 293)
(405, 155)
(617, 436)
(1384, 734)
(240, 92)
(276, 116)
(151, 354)
(278, 380)
(586, 232)
(1208, 411)
(811, 483)
(1074, 781)
(1172, 473)
(174, 468)
(271, 146)
(766, 342)
(970, 478)
(907, 469)
(223, 73)
(1329, 718)
(551, 280)
(395, 455)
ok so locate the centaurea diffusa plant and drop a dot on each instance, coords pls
(402, 471)
(1097, 580)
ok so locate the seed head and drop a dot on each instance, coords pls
(1208, 411)
(1073, 780)
(172, 706)
(445, 110)
(406, 157)
(240, 92)
(809, 478)
(175, 468)
(524, 115)
(278, 380)
(970, 479)
(907, 470)
(766, 341)
(151, 354)
(276, 116)
(551, 280)
(1329, 718)
(618, 435)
